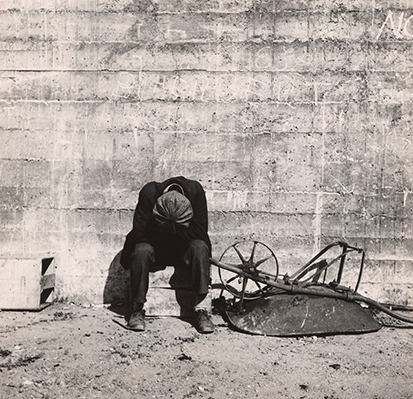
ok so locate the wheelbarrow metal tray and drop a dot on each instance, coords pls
(289, 314)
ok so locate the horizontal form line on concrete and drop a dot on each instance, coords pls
(205, 7)
(165, 132)
(215, 211)
(212, 71)
(366, 44)
(252, 8)
(190, 101)
(214, 12)
(218, 40)
(195, 71)
(227, 132)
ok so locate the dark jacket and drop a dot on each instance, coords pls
(144, 226)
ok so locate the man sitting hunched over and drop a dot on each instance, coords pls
(170, 227)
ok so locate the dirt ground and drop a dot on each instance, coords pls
(74, 351)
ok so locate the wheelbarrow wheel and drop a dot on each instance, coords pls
(252, 257)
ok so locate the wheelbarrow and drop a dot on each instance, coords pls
(263, 302)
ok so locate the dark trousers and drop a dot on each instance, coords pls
(145, 260)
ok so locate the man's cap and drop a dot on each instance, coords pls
(173, 207)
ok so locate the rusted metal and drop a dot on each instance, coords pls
(276, 307)
(301, 315)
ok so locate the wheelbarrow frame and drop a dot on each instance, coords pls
(296, 284)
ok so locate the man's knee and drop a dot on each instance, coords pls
(143, 251)
(199, 247)
(197, 254)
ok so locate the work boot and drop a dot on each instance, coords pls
(203, 323)
(137, 320)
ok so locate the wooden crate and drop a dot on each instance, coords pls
(26, 283)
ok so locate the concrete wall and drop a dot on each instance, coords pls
(294, 115)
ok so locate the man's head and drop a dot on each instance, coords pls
(172, 208)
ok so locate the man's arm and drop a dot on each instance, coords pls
(143, 212)
(198, 227)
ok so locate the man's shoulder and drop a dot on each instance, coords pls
(189, 182)
(153, 188)
(149, 189)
